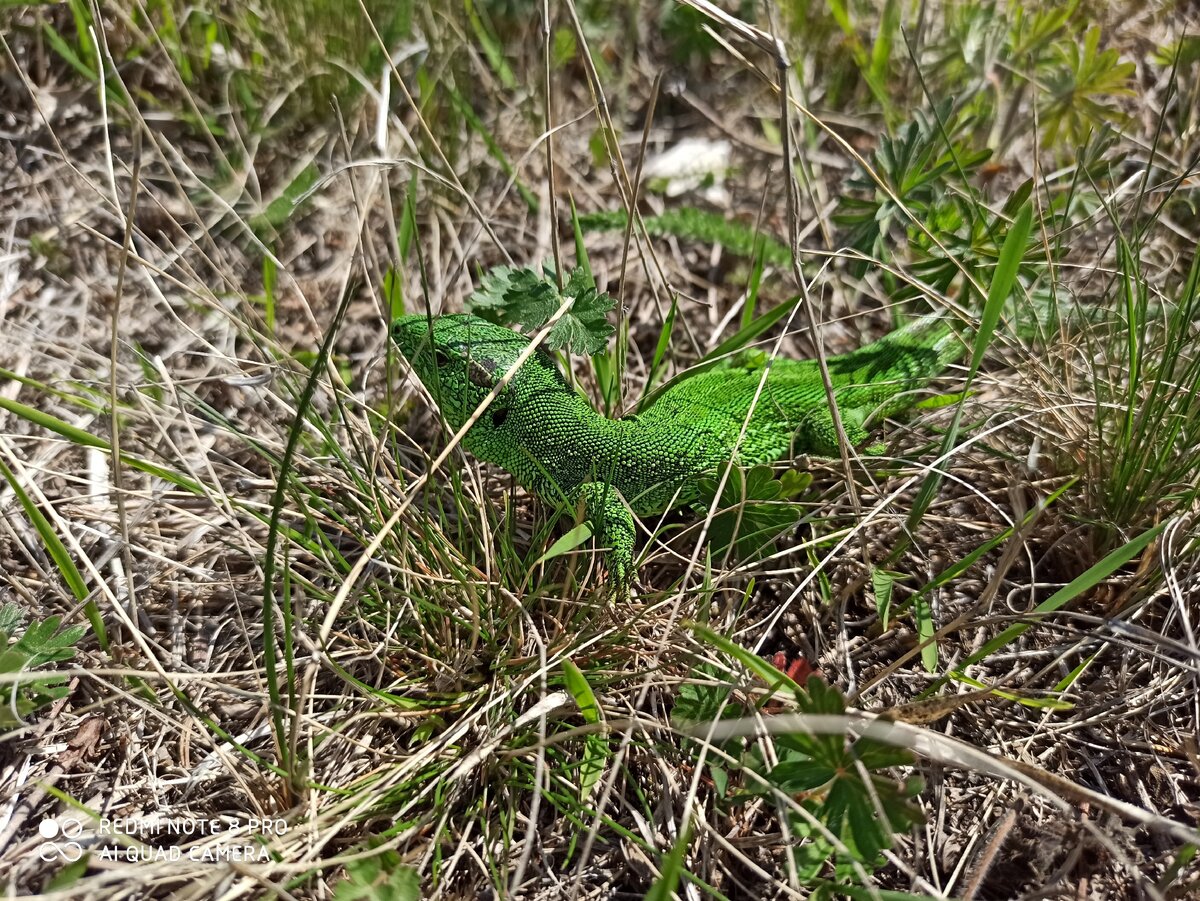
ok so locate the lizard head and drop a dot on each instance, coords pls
(460, 358)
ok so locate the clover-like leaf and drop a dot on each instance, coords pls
(754, 509)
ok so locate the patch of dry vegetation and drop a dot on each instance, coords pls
(208, 216)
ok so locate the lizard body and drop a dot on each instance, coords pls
(552, 440)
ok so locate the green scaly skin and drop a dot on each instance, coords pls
(550, 438)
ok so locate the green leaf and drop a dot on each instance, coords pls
(881, 51)
(793, 483)
(269, 277)
(528, 298)
(664, 341)
(882, 581)
(751, 512)
(868, 835)
(408, 223)
(1003, 280)
(516, 295)
(86, 439)
(58, 552)
(595, 747)
(581, 691)
(823, 698)
(1019, 698)
(699, 225)
(564, 47)
(923, 617)
(42, 645)
(393, 293)
(720, 778)
(69, 874)
(279, 210)
(381, 877)
(1069, 679)
(591, 767)
(701, 701)
(12, 661)
(585, 328)
(796, 775)
(875, 755)
(463, 106)
(11, 618)
(493, 49)
(63, 49)
(567, 543)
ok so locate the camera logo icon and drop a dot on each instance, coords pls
(61, 839)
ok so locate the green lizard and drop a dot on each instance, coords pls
(547, 435)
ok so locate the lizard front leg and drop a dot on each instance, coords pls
(612, 524)
(817, 434)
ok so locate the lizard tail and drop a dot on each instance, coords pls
(934, 335)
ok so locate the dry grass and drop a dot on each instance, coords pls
(420, 703)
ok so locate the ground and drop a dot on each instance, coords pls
(313, 665)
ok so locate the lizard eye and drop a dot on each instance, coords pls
(442, 359)
(499, 414)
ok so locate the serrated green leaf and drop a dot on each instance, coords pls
(528, 299)
(750, 515)
(864, 831)
(795, 775)
(11, 618)
(699, 702)
(381, 877)
(585, 328)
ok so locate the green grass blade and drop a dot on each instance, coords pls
(664, 342)
(881, 51)
(1092, 577)
(274, 529)
(59, 554)
(63, 49)
(882, 582)
(1003, 280)
(667, 882)
(756, 665)
(923, 617)
(76, 435)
